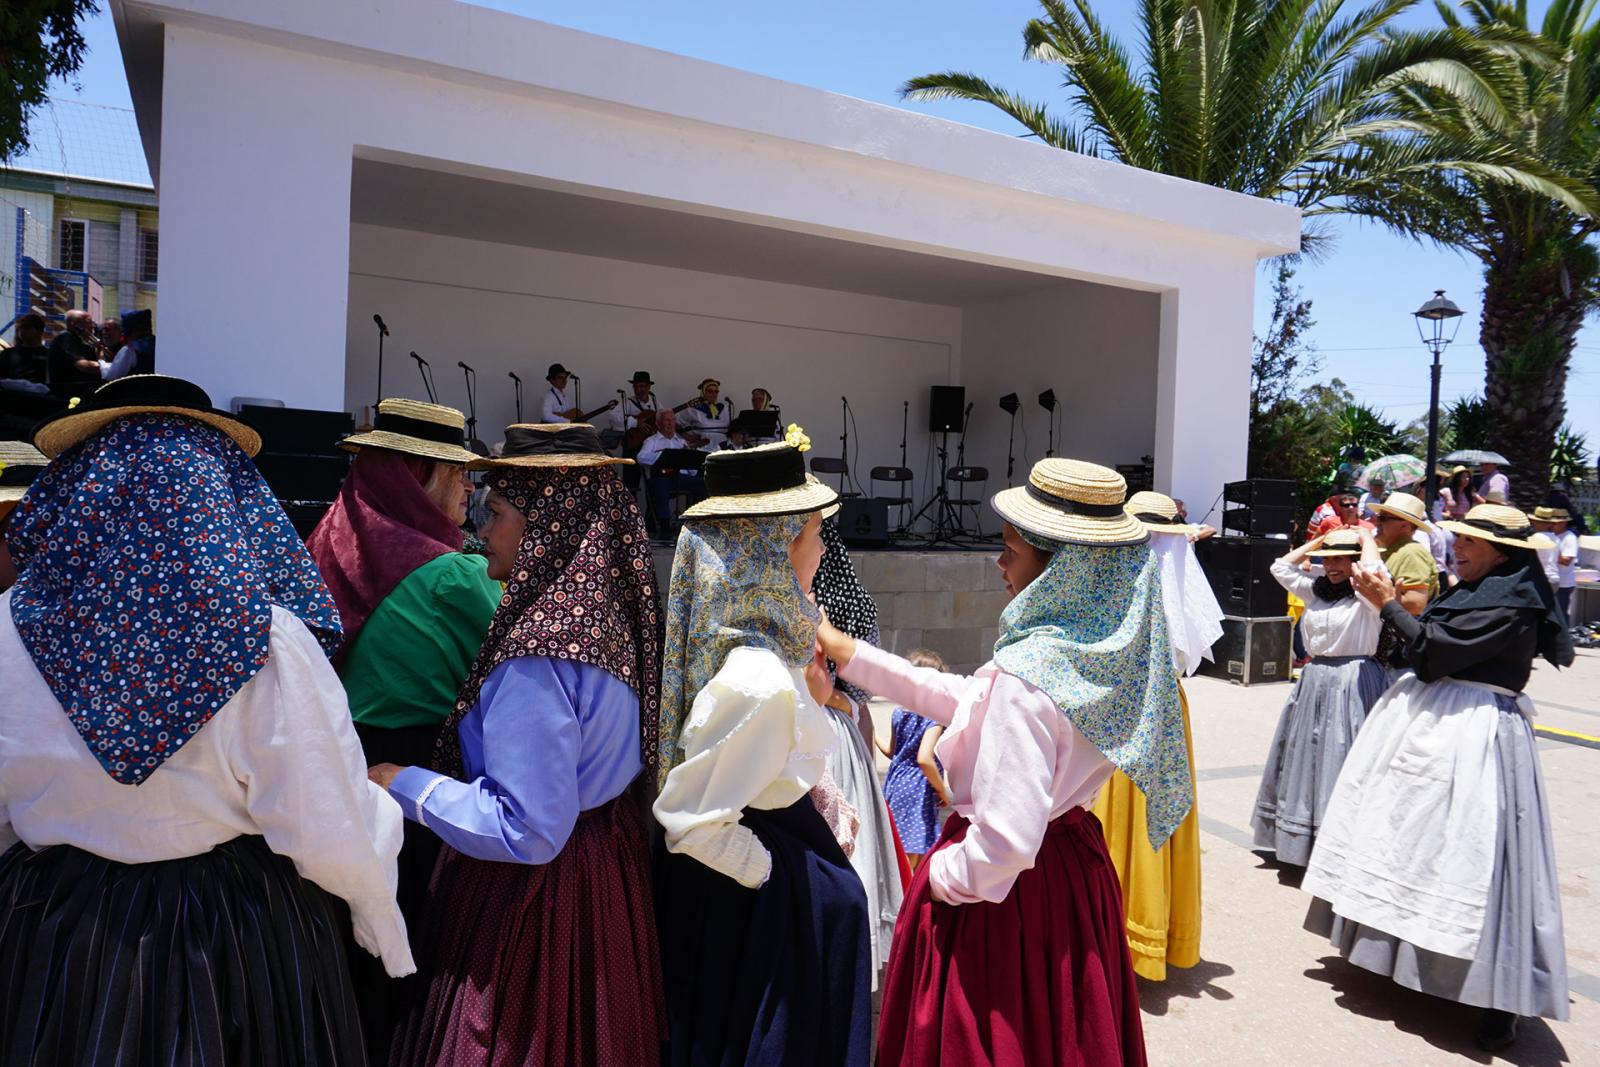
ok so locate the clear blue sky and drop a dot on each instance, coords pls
(1363, 292)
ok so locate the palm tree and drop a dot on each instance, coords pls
(1273, 98)
(1541, 272)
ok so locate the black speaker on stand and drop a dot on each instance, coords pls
(947, 409)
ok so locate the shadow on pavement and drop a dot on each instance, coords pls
(1288, 873)
(1441, 1023)
(1188, 984)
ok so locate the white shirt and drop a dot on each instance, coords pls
(1567, 548)
(555, 402)
(1499, 481)
(121, 364)
(626, 414)
(713, 427)
(656, 444)
(1548, 559)
(754, 738)
(1348, 627)
(279, 759)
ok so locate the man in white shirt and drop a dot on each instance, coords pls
(1494, 482)
(662, 483)
(1560, 562)
(556, 407)
(626, 414)
(1375, 494)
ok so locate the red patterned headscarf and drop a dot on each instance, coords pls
(382, 527)
(583, 589)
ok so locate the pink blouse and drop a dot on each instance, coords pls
(1013, 760)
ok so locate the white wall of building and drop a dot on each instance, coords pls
(502, 308)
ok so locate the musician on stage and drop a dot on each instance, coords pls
(709, 416)
(662, 483)
(761, 400)
(625, 416)
(556, 407)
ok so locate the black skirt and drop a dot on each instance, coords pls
(229, 957)
(779, 975)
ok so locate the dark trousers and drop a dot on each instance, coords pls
(1564, 598)
(662, 486)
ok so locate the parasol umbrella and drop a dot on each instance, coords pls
(1396, 472)
(1474, 457)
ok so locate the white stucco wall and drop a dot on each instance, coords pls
(503, 308)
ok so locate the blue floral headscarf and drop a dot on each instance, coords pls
(150, 558)
(732, 587)
(1091, 632)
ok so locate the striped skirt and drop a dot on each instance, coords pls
(229, 957)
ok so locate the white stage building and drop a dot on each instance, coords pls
(511, 193)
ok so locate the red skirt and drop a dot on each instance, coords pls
(543, 965)
(1043, 977)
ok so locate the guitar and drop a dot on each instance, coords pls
(644, 426)
(588, 416)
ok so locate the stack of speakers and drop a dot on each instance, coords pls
(1256, 643)
(300, 458)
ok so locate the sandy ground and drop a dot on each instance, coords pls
(1266, 991)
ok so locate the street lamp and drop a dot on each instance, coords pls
(1437, 323)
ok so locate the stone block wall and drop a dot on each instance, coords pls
(947, 601)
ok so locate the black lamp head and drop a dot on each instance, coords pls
(1008, 403)
(1047, 399)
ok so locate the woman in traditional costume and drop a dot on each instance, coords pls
(539, 940)
(415, 609)
(1011, 947)
(1331, 698)
(181, 789)
(849, 606)
(1161, 890)
(764, 925)
(1434, 864)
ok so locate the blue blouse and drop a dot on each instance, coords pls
(546, 740)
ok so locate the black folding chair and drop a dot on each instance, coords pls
(833, 465)
(967, 491)
(900, 477)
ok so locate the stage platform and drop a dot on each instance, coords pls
(944, 598)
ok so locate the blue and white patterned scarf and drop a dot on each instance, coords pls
(150, 558)
(732, 587)
(1091, 632)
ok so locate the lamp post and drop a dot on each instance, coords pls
(1437, 323)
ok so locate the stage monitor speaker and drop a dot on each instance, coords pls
(298, 431)
(864, 522)
(1260, 492)
(1259, 521)
(1239, 570)
(946, 407)
(1251, 651)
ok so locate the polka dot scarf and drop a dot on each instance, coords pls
(151, 556)
(582, 589)
(840, 593)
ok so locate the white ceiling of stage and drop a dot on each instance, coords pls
(455, 205)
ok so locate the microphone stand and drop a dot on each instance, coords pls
(844, 441)
(424, 369)
(383, 331)
(905, 430)
(1011, 451)
(471, 376)
(513, 376)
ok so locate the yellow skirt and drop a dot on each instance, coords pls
(1160, 890)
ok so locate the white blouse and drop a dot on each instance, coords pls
(1348, 627)
(279, 759)
(754, 738)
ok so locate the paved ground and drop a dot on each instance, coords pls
(1266, 991)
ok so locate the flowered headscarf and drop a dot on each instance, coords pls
(151, 556)
(582, 589)
(839, 592)
(732, 587)
(1092, 633)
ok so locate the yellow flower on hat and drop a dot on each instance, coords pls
(74, 402)
(796, 438)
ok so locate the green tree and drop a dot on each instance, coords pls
(1466, 424)
(39, 40)
(1540, 269)
(1285, 441)
(1569, 460)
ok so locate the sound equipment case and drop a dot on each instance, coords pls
(1252, 651)
(1239, 570)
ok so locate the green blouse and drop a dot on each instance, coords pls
(407, 664)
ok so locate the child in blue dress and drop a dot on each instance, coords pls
(914, 786)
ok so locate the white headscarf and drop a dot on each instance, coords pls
(1194, 618)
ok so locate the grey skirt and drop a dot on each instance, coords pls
(1319, 721)
(1521, 963)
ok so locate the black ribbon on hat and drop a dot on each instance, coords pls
(1519, 534)
(1150, 518)
(577, 439)
(764, 470)
(1075, 507)
(406, 426)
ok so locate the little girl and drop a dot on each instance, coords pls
(914, 786)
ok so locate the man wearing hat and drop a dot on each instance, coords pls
(1399, 517)
(20, 463)
(557, 407)
(415, 609)
(1561, 560)
(626, 417)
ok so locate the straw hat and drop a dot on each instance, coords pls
(549, 444)
(766, 480)
(1344, 542)
(1499, 524)
(20, 464)
(1158, 512)
(1069, 500)
(1551, 515)
(1405, 506)
(138, 394)
(431, 431)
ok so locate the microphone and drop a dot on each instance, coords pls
(379, 320)
(420, 361)
(513, 376)
(463, 366)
